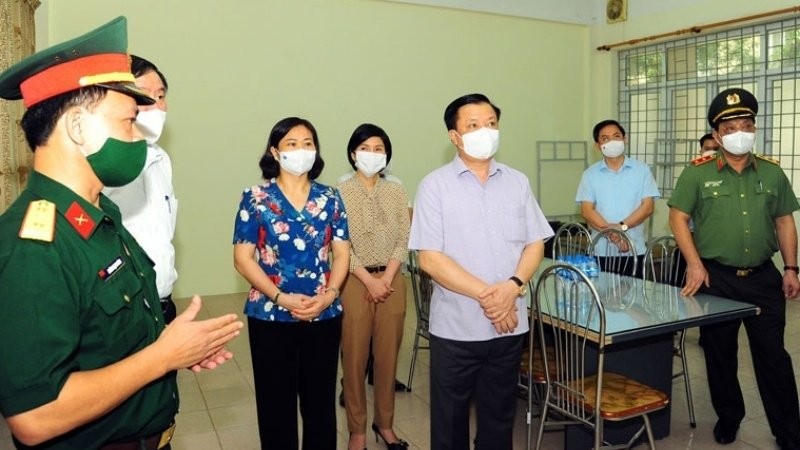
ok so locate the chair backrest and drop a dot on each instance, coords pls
(604, 245)
(571, 239)
(421, 287)
(663, 261)
(571, 319)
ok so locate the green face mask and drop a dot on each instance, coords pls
(117, 163)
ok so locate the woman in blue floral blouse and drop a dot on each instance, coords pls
(285, 233)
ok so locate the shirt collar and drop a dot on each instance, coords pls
(80, 214)
(625, 163)
(722, 162)
(460, 168)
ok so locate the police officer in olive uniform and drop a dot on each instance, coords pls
(85, 359)
(741, 204)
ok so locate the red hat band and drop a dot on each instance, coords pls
(75, 74)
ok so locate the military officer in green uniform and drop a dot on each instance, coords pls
(86, 361)
(741, 204)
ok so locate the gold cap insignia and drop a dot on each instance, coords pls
(733, 99)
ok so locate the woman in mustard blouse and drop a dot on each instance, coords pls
(374, 295)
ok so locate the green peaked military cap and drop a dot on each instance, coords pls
(97, 58)
(731, 104)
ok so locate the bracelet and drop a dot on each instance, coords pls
(275, 300)
(794, 269)
(335, 291)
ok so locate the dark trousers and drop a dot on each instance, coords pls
(291, 361)
(168, 308)
(484, 371)
(771, 362)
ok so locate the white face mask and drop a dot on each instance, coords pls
(370, 163)
(151, 123)
(612, 149)
(297, 162)
(739, 143)
(481, 144)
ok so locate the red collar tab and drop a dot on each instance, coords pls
(80, 220)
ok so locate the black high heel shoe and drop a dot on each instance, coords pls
(399, 445)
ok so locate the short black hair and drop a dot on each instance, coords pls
(361, 134)
(40, 120)
(604, 123)
(704, 138)
(451, 112)
(270, 167)
(141, 66)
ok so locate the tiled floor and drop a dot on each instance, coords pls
(218, 409)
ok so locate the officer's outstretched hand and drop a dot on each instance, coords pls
(198, 344)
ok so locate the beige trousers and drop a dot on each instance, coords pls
(382, 323)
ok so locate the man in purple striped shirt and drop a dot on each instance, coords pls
(480, 236)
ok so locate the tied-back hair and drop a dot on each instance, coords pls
(361, 134)
(270, 167)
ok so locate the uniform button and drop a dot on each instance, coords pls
(746, 231)
(127, 299)
(741, 195)
(715, 193)
(744, 213)
(747, 250)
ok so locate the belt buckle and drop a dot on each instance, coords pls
(166, 436)
(743, 272)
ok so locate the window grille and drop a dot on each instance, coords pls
(665, 90)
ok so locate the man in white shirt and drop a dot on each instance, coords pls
(148, 204)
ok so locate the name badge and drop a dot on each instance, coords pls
(111, 269)
(713, 184)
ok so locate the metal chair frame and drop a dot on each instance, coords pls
(571, 238)
(570, 317)
(614, 261)
(421, 288)
(661, 265)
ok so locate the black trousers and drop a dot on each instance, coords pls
(765, 332)
(291, 361)
(484, 371)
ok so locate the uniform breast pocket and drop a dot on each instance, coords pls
(717, 202)
(513, 223)
(766, 195)
(119, 316)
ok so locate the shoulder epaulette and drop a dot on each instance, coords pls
(39, 222)
(703, 160)
(768, 159)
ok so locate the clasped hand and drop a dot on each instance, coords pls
(304, 307)
(378, 290)
(499, 303)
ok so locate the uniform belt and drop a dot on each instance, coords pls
(738, 271)
(154, 442)
(376, 269)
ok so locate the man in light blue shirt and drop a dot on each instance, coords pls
(617, 192)
(480, 236)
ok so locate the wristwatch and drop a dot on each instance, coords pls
(623, 226)
(523, 288)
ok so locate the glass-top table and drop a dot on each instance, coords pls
(637, 309)
(641, 317)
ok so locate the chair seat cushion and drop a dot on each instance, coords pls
(537, 374)
(622, 397)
